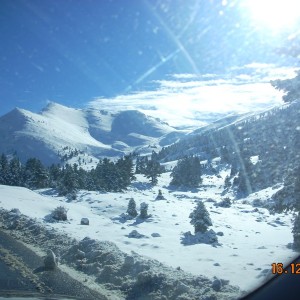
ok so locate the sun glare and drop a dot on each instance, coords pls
(275, 14)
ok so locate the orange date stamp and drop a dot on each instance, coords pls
(292, 268)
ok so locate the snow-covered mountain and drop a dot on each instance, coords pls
(261, 147)
(59, 131)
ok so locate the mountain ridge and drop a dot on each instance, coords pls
(98, 133)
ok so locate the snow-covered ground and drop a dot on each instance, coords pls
(252, 238)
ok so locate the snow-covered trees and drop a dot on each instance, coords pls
(131, 209)
(291, 88)
(107, 176)
(35, 174)
(296, 232)
(110, 176)
(3, 169)
(187, 172)
(200, 218)
(151, 168)
(15, 172)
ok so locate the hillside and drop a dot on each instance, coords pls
(261, 149)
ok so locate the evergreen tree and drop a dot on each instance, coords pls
(15, 172)
(68, 183)
(3, 169)
(187, 172)
(200, 218)
(35, 174)
(291, 87)
(105, 176)
(131, 209)
(144, 210)
(141, 164)
(55, 173)
(125, 173)
(296, 232)
(160, 196)
(153, 168)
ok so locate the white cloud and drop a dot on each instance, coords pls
(191, 100)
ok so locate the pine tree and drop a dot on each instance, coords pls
(160, 196)
(141, 163)
(144, 210)
(15, 172)
(153, 168)
(35, 174)
(125, 173)
(3, 169)
(187, 172)
(54, 175)
(131, 209)
(68, 184)
(200, 218)
(296, 232)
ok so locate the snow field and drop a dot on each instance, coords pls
(252, 238)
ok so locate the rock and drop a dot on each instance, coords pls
(216, 285)
(155, 234)
(80, 255)
(135, 234)
(85, 221)
(220, 233)
(15, 211)
(50, 261)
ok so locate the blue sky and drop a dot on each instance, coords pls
(73, 51)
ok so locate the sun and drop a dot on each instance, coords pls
(274, 14)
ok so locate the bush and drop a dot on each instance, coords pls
(224, 203)
(60, 213)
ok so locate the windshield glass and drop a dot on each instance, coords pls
(149, 149)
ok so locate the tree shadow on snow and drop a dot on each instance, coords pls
(139, 220)
(142, 186)
(49, 192)
(173, 188)
(208, 237)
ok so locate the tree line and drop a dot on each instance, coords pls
(106, 176)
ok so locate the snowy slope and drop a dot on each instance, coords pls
(252, 238)
(46, 135)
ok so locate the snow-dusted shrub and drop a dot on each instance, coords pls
(224, 203)
(135, 234)
(85, 221)
(144, 210)
(207, 237)
(258, 203)
(131, 209)
(71, 196)
(200, 218)
(60, 213)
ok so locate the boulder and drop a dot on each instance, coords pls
(85, 221)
